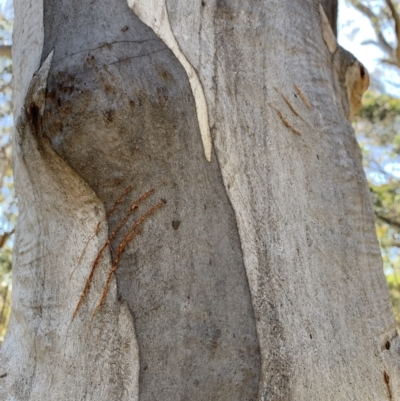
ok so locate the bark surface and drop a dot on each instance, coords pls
(256, 276)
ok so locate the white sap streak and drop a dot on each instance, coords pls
(154, 14)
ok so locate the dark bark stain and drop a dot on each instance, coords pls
(34, 118)
(386, 379)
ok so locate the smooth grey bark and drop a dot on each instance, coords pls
(257, 276)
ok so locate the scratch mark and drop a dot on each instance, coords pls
(84, 249)
(289, 104)
(118, 201)
(96, 262)
(109, 213)
(127, 239)
(114, 267)
(137, 56)
(285, 122)
(107, 44)
(302, 96)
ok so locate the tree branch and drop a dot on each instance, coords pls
(396, 18)
(5, 51)
(381, 170)
(5, 237)
(388, 220)
(383, 44)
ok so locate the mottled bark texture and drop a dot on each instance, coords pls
(255, 276)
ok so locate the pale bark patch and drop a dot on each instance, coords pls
(37, 89)
(155, 15)
(28, 37)
(130, 352)
(357, 82)
(327, 31)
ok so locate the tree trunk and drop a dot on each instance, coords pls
(195, 223)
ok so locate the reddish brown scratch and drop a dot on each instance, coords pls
(289, 104)
(96, 262)
(118, 201)
(285, 122)
(121, 248)
(127, 239)
(109, 213)
(84, 249)
(143, 218)
(302, 96)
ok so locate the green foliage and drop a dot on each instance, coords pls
(5, 289)
(393, 281)
(8, 204)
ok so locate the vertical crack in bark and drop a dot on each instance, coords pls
(386, 379)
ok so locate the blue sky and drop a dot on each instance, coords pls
(353, 30)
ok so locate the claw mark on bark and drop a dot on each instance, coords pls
(285, 122)
(127, 239)
(154, 14)
(109, 213)
(118, 201)
(84, 249)
(302, 97)
(287, 101)
(96, 262)
(327, 31)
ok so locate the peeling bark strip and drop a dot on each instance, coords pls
(119, 111)
(155, 15)
(327, 32)
(357, 82)
(331, 10)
